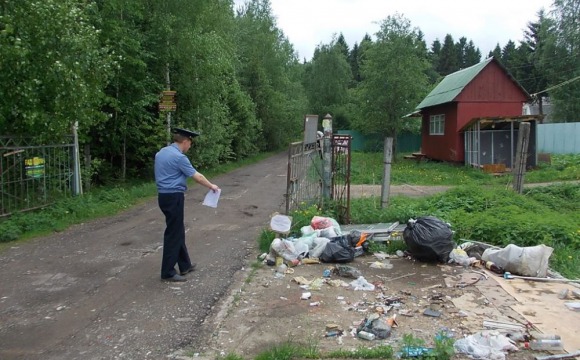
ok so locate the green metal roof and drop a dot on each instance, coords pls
(452, 85)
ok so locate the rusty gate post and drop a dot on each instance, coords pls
(327, 181)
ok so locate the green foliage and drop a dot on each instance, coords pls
(394, 77)
(326, 81)
(265, 239)
(559, 51)
(53, 68)
(443, 349)
(269, 74)
(283, 351)
(9, 231)
(376, 352)
(366, 168)
(231, 357)
(562, 167)
(495, 216)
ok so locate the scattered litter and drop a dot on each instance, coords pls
(306, 296)
(362, 284)
(301, 280)
(573, 306)
(381, 265)
(311, 260)
(431, 312)
(337, 283)
(414, 351)
(347, 271)
(333, 333)
(315, 303)
(365, 335)
(316, 284)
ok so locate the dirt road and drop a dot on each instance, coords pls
(94, 291)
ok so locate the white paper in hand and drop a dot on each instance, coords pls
(212, 198)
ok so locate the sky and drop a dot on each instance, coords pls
(308, 23)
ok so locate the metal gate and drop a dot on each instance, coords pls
(32, 175)
(305, 176)
(304, 179)
(341, 149)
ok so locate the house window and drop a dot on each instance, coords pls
(437, 124)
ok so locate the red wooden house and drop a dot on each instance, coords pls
(483, 97)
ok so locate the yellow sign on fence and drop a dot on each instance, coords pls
(34, 167)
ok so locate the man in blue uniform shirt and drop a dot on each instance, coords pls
(172, 168)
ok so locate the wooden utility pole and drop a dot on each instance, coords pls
(519, 167)
(387, 158)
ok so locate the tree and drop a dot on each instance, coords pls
(461, 50)
(496, 53)
(268, 72)
(435, 53)
(559, 58)
(53, 68)
(394, 77)
(472, 54)
(508, 55)
(327, 80)
(394, 82)
(342, 45)
(448, 59)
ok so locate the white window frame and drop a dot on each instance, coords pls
(437, 124)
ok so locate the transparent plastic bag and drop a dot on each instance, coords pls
(525, 261)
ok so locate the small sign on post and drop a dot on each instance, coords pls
(167, 102)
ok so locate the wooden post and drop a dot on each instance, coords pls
(519, 168)
(387, 157)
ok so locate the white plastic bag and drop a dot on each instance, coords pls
(362, 284)
(485, 345)
(319, 244)
(280, 223)
(306, 230)
(460, 257)
(525, 261)
(284, 248)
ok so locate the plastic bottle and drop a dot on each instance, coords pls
(493, 267)
(366, 335)
(540, 336)
(544, 344)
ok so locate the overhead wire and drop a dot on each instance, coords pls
(557, 86)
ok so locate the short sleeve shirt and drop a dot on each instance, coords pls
(172, 168)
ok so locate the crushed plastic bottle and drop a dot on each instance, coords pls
(544, 344)
(366, 335)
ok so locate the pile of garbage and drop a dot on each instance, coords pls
(428, 239)
(322, 240)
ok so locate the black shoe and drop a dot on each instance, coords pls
(191, 268)
(175, 278)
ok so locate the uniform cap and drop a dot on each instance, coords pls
(184, 132)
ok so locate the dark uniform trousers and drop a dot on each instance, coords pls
(174, 249)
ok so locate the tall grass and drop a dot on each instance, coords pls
(367, 168)
(548, 215)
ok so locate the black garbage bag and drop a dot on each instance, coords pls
(338, 250)
(429, 239)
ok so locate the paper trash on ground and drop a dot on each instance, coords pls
(212, 198)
